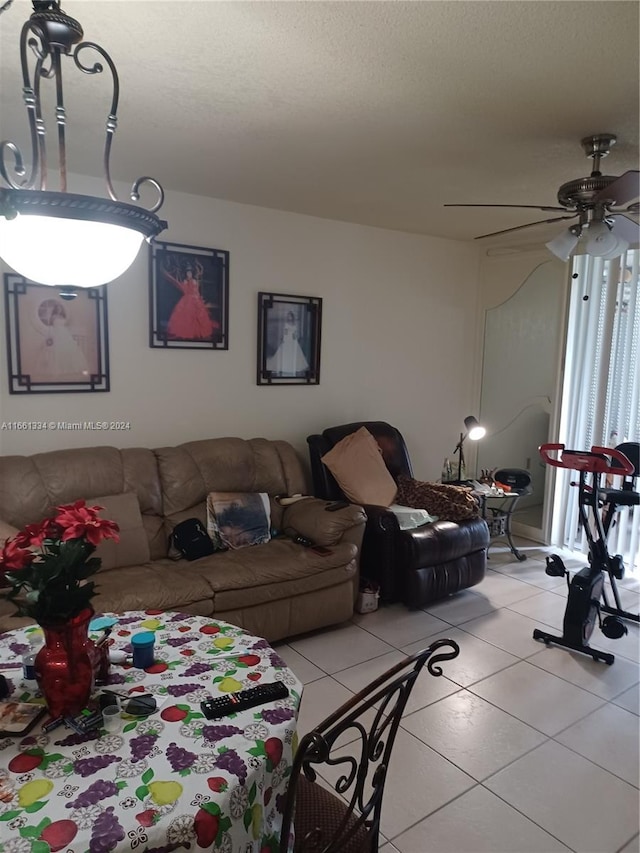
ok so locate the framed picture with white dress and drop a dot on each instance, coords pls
(289, 333)
(57, 338)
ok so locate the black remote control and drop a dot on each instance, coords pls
(234, 702)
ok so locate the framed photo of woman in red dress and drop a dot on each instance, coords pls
(188, 297)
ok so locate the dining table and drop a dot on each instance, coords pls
(165, 781)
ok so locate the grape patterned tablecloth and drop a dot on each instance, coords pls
(172, 781)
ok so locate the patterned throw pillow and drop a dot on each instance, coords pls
(449, 503)
(238, 519)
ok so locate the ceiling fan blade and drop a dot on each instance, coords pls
(528, 225)
(626, 228)
(532, 206)
(624, 189)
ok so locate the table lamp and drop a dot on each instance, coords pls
(475, 432)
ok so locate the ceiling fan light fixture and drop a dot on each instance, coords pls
(600, 240)
(55, 237)
(621, 248)
(562, 245)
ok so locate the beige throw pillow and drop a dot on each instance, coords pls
(356, 463)
(133, 547)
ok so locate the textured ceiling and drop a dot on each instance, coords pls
(370, 112)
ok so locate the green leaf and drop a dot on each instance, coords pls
(185, 772)
(29, 831)
(129, 727)
(248, 817)
(257, 750)
(142, 792)
(10, 815)
(147, 776)
(48, 759)
(183, 707)
(252, 792)
(43, 824)
(225, 823)
(212, 808)
(121, 785)
(40, 847)
(35, 807)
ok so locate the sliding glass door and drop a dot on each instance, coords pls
(601, 394)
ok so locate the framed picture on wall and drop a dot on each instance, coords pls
(57, 341)
(289, 331)
(188, 297)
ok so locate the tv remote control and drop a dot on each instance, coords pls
(220, 706)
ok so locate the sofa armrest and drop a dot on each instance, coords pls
(309, 518)
(7, 531)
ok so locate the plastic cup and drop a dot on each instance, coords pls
(143, 645)
(111, 719)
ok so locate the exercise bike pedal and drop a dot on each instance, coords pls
(616, 566)
(555, 567)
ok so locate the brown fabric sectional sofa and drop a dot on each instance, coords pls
(274, 590)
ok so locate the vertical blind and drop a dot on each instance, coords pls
(601, 393)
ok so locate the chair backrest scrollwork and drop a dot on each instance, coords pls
(362, 770)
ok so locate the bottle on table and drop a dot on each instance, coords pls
(29, 657)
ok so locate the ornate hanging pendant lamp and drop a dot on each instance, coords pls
(53, 236)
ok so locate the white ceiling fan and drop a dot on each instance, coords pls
(598, 202)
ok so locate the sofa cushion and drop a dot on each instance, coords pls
(133, 547)
(161, 585)
(356, 463)
(279, 569)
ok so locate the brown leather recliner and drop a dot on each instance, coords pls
(415, 566)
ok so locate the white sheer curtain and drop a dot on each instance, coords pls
(601, 393)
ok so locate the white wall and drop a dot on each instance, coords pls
(398, 340)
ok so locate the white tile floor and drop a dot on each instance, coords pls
(518, 748)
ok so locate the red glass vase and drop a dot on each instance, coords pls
(65, 665)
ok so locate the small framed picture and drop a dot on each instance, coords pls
(57, 340)
(17, 718)
(188, 297)
(289, 331)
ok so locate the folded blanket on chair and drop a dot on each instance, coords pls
(449, 503)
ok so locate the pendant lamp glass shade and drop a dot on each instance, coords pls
(55, 237)
(72, 252)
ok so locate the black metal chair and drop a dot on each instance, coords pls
(350, 823)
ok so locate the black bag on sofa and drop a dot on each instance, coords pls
(191, 540)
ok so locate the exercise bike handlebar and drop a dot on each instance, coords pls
(598, 460)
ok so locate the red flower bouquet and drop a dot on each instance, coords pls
(46, 565)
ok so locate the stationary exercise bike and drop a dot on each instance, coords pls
(586, 588)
